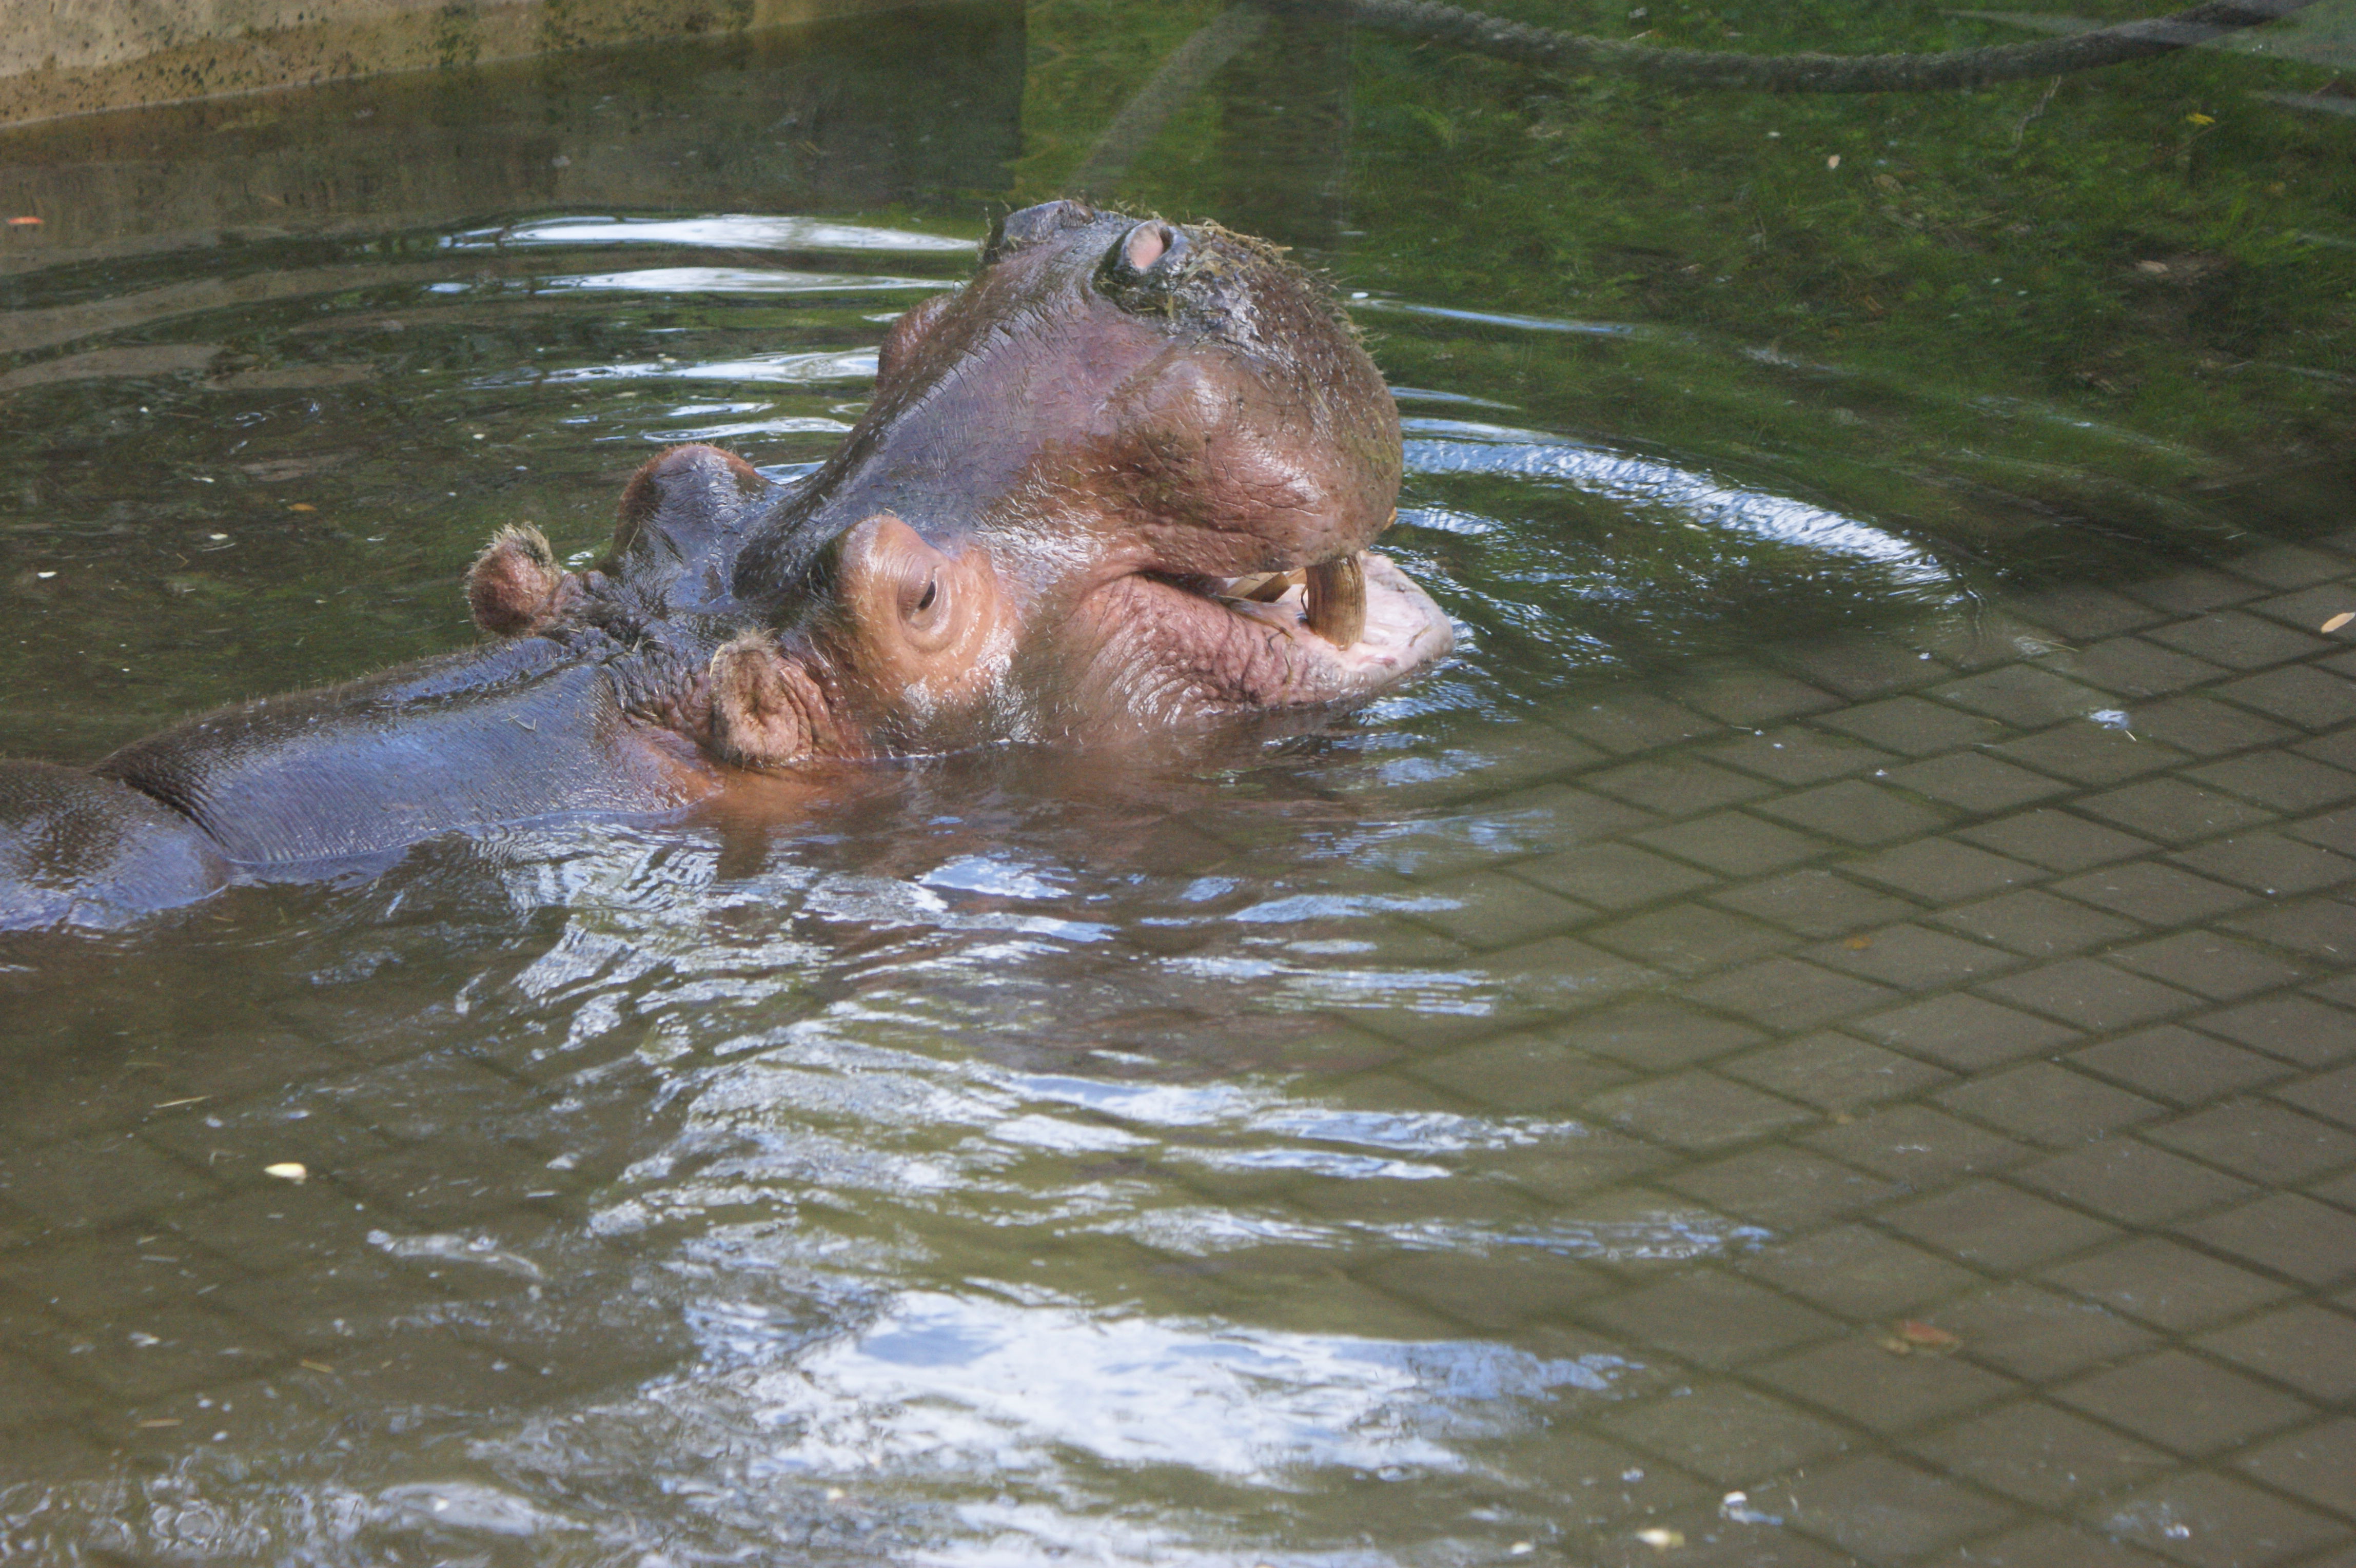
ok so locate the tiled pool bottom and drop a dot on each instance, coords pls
(2015, 999)
(1999, 992)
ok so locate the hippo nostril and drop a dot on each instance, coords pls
(1146, 244)
(1146, 266)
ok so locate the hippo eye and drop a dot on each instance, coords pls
(1019, 231)
(925, 610)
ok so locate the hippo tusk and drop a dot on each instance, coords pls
(1337, 599)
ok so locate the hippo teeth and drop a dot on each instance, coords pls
(1262, 587)
(1337, 599)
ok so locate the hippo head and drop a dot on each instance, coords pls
(1124, 480)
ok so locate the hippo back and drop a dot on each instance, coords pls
(515, 731)
(79, 851)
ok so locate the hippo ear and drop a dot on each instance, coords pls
(1033, 224)
(515, 585)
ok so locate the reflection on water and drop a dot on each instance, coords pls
(714, 280)
(727, 231)
(1673, 497)
(1496, 1125)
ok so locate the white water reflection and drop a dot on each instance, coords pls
(1453, 446)
(1449, 519)
(1501, 319)
(1432, 394)
(1267, 1108)
(1299, 906)
(942, 1385)
(469, 1508)
(791, 369)
(1311, 1162)
(725, 231)
(1665, 1236)
(784, 426)
(731, 280)
(1000, 876)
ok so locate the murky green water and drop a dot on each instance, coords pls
(1023, 1158)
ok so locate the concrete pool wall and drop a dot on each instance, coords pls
(77, 56)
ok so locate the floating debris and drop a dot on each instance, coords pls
(1911, 1336)
(287, 1170)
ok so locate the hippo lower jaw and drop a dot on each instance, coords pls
(1174, 648)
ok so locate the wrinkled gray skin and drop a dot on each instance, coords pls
(1121, 483)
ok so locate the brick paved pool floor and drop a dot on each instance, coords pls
(2012, 989)
(2002, 985)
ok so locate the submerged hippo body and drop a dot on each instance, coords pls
(1120, 482)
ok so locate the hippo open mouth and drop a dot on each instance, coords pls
(1140, 461)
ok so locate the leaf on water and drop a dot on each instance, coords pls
(1920, 1336)
(1661, 1539)
(288, 1170)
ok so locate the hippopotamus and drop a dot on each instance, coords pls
(1121, 483)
